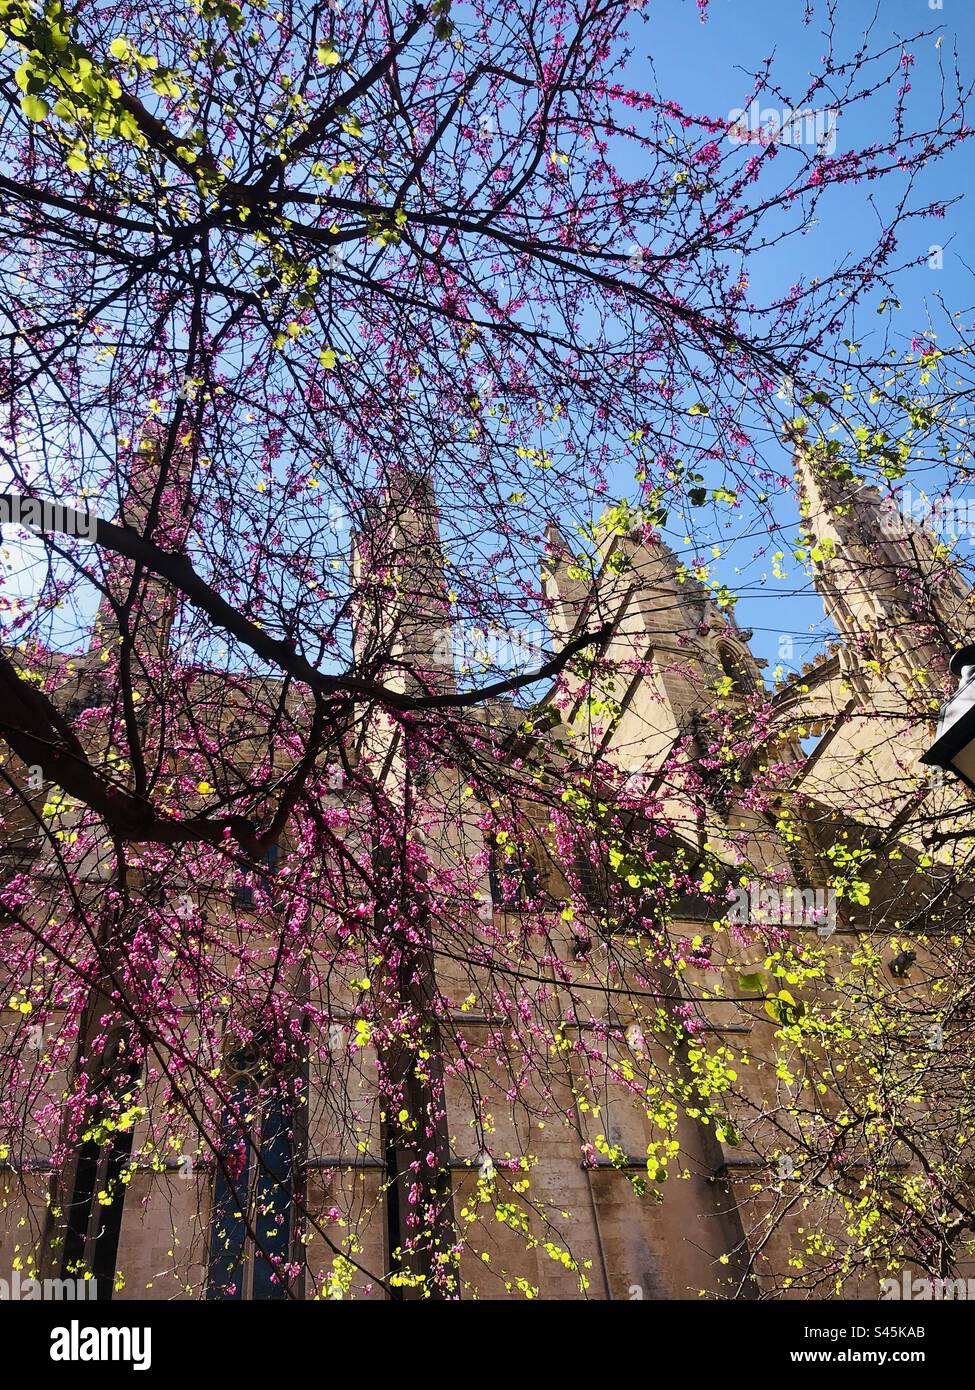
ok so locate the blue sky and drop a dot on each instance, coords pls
(706, 68)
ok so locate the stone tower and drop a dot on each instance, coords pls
(885, 579)
(401, 627)
(900, 609)
(674, 647)
(157, 504)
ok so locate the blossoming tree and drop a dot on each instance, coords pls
(331, 844)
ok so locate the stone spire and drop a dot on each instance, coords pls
(158, 506)
(672, 645)
(402, 623)
(884, 578)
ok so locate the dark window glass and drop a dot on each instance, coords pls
(513, 879)
(228, 1225)
(259, 1184)
(273, 1204)
(243, 895)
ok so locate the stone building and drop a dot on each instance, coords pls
(846, 735)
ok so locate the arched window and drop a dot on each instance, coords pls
(243, 891)
(253, 1187)
(93, 1227)
(735, 669)
(514, 878)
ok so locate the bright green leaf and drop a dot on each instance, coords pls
(34, 108)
